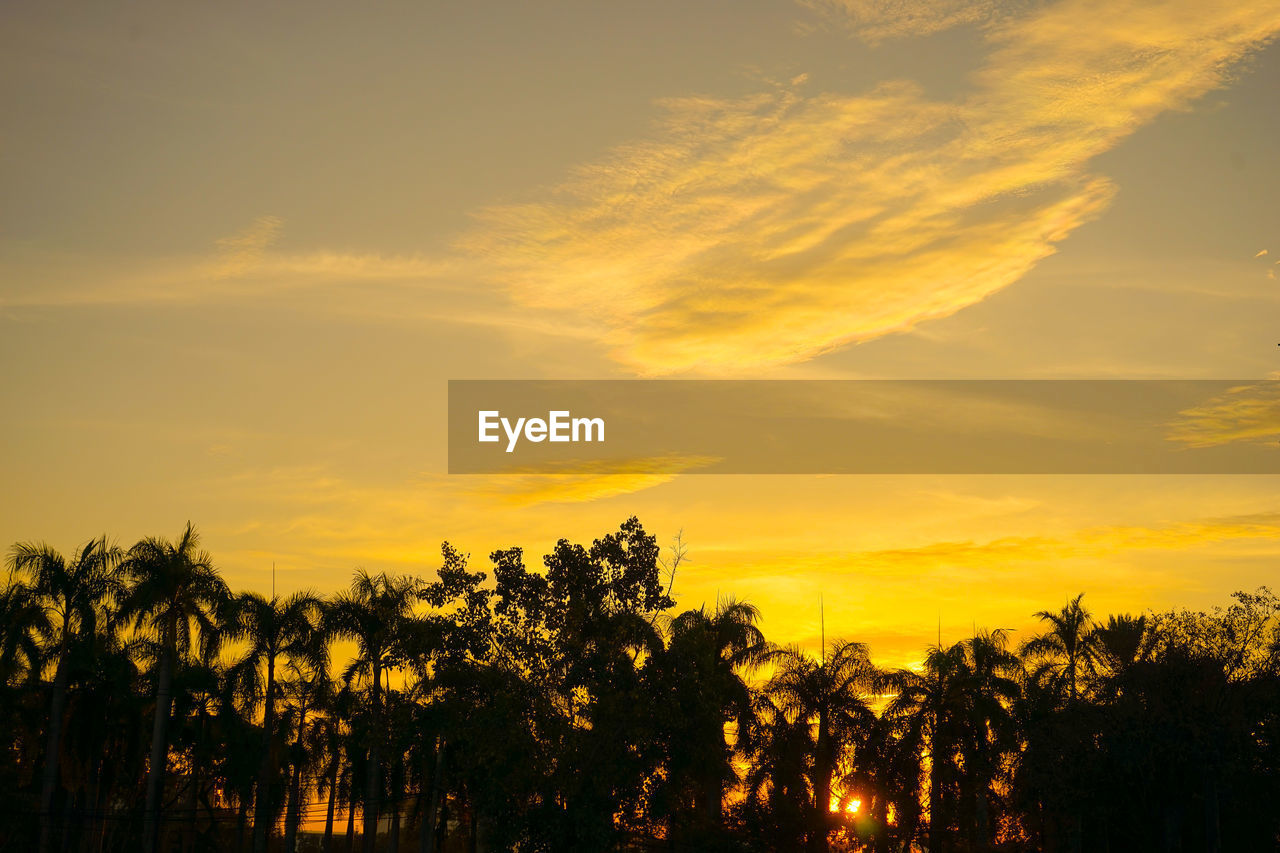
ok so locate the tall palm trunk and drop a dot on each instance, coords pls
(979, 774)
(49, 782)
(442, 825)
(193, 800)
(373, 773)
(395, 814)
(262, 797)
(327, 846)
(427, 831)
(198, 757)
(159, 743)
(935, 790)
(242, 821)
(351, 824)
(292, 778)
(713, 792)
(68, 820)
(370, 806)
(822, 771)
(880, 814)
(92, 821)
(982, 823)
(292, 812)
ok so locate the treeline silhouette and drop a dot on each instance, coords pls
(147, 706)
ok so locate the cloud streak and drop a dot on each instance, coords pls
(1249, 413)
(770, 229)
(748, 233)
(1011, 555)
(243, 251)
(584, 482)
(874, 21)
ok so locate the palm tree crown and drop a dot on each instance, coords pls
(1066, 652)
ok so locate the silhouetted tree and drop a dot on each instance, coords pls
(931, 703)
(275, 631)
(173, 592)
(74, 593)
(700, 686)
(560, 709)
(373, 613)
(831, 695)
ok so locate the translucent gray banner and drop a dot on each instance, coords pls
(864, 427)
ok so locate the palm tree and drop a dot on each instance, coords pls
(777, 781)
(23, 622)
(373, 613)
(702, 670)
(1067, 651)
(275, 630)
(201, 685)
(929, 702)
(105, 724)
(1120, 643)
(990, 688)
(886, 776)
(333, 736)
(1063, 657)
(242, 745)
(173, 592)
(832, 696)
(74, 592)
(308, 689)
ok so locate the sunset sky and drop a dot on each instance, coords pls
(243, 247)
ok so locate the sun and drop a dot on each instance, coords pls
(850, 807)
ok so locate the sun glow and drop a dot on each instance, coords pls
(851, 807)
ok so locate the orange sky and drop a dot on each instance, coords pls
(242, 249)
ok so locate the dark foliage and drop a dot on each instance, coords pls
(145, 706)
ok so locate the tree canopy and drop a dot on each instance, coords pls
(573, 707)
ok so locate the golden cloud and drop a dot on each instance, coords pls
(752, 232)
(1018, 559)
(769, 229)
(1248, 413)
(876, 20)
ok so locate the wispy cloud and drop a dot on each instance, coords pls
(241, 252)
(747, 233)
(891, 596)
(1249, 413)
(247, 267)
(874, 21)
(1007, 562)
(242, 266)
(357, 519)
(1089, 543)
(769, 229)
(584, 482)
